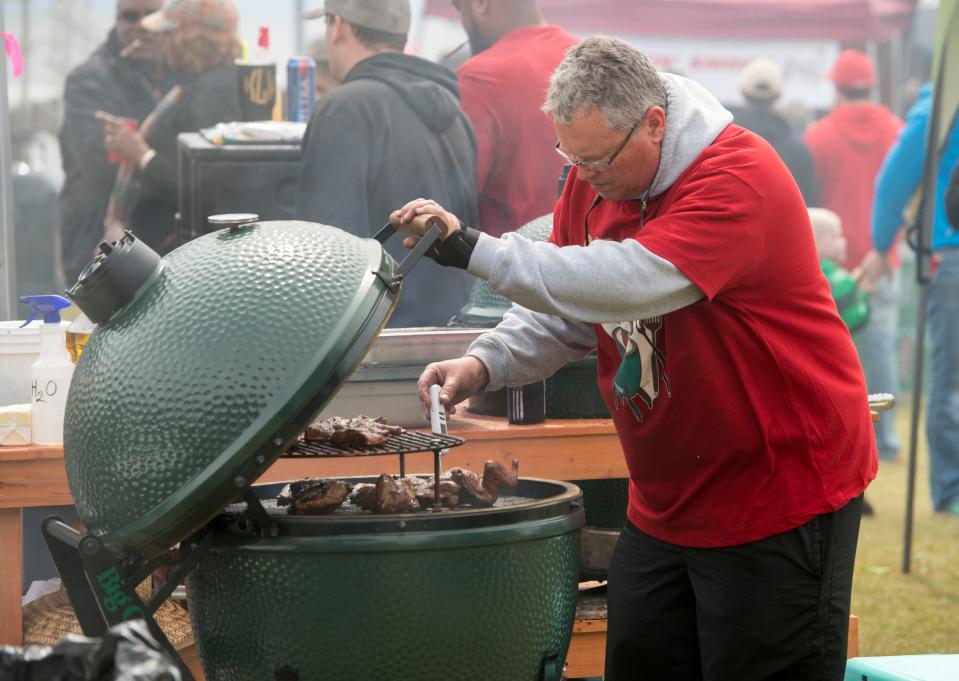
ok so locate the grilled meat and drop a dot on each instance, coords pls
(484, 492)
(319, 431)
(391, 494)
(426, 491)
(364, 496)
(359, 431)
(388, 495)
(313, 496)
(473, 492)
(495, 475)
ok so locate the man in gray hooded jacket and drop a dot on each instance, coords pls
(392, 131)
(682, 253)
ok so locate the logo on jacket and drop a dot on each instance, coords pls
(642, 367)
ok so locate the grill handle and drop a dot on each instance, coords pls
(426, 242)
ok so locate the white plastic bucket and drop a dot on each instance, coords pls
(19, 349)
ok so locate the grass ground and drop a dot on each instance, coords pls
(919, 612)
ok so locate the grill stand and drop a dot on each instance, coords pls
(102, 588)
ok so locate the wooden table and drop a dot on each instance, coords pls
(562, 450)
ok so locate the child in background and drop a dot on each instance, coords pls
(853, 303)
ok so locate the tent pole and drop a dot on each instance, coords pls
(918, 359)
(298, 40)
(8, 283)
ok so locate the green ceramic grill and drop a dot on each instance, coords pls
(454, 596)
(204, 368)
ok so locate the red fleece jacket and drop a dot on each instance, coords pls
(743, 415)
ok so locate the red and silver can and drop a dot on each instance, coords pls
(300, 88)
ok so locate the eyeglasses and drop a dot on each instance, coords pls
(598, 166)
(131, 16)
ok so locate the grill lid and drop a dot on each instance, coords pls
(210, 370)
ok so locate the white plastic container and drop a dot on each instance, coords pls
(51, 376)
(19, 349)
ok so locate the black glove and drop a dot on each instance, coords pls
(456, 250)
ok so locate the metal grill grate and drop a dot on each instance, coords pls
(405, 443)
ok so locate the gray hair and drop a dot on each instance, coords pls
(608, 74)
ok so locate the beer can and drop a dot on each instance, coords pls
(300, 88)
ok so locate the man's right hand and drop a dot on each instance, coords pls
(405, 220)
(458, 379)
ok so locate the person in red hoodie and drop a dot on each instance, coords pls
(683, 254)
(848, 147)
(501, 89)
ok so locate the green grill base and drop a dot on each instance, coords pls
(263, 612)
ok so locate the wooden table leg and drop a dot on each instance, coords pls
(852, 648)
(11, 576)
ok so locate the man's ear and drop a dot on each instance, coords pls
(339, 30)
(481, 8)
(655, 124)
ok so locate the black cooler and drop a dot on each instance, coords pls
(233, 178)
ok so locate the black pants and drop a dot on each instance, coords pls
(774, 609)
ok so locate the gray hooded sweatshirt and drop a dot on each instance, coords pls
(561, 292)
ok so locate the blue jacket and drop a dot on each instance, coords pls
(901, 174)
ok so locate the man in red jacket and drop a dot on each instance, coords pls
(848, 147)
(501, 89)
(733, 382)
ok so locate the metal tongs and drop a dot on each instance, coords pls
(880, 402)
(437, 427)
(437, 414)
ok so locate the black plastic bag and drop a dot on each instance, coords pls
(128, 652)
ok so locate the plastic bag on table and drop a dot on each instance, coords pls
(127, 652)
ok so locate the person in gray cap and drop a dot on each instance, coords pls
(761, 84)
(391, 132)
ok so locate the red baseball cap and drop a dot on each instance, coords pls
(854, 70)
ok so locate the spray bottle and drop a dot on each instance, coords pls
(52, 372)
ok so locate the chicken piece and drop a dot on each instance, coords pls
(380, 421)
(425, 490)
(395, 495)
(314, 496)
(359, 431)
(319, 431)
(495, 475)
(389, 495)
(485, 492)
(364, 496)
(473, 492)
